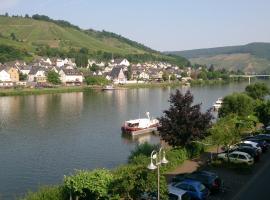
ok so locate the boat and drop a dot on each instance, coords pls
(217, 105)
(108, 87)
(140, 126)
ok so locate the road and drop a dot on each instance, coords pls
(258, 186)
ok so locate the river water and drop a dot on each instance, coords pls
(44, 137)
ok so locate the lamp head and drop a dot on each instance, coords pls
(164, 160)
(151, 166)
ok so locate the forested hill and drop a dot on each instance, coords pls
(41, 35)
(253, 57)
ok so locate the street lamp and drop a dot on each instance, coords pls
(159, 157)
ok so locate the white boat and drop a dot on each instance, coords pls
(217, 105)
(108, 87)
(140, 126)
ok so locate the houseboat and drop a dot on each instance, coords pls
(140, 126)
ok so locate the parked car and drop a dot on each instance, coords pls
(195, 189)
(237, 157)
(177, 194)
(265, 137)
(250, 144)
(262, 143)
(251, 151)
(210, 179)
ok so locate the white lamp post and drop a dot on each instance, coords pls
(159, 157)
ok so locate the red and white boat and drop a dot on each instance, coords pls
(140, 126)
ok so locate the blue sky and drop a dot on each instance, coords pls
(161, 24)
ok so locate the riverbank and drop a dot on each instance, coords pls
(38, 91)
(62, 89)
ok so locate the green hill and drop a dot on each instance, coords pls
(40, 35)
(253, 57)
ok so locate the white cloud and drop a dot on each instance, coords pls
(7, 4)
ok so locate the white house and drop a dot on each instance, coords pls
(37, 74)
(60, 62)
(144, 75)
(4, 76)
(46, 60)
(71, 76)
(122, 62)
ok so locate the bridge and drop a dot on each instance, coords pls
(249, 76)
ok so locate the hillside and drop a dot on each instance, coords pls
(253, 57)
(33, 34)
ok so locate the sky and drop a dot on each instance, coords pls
(164, 25)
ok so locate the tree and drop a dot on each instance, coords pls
(211, 68)
(237, 103)
(94, 68)
(165, 76)
(263, 112)
(22, 77)
(224, 131)
(13, 36)
(183, 122)
(96, 80)
(257, 90)
(53, 77)
(203, 75)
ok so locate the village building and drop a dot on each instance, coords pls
(71, 77)
(117, 76)
(37, 74)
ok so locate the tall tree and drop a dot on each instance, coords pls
(53, 77)
(263, 112)
(257, 90)
(237, 103)
(225, 132)
(183, 122)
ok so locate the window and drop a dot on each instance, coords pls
(242, 157)
(233, 155)
(183, 186)
(191, 188)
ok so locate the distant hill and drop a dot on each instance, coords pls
(253, 57)
(41, 32)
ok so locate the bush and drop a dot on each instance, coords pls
(142, 149)
(89, 184)
(195, 149)
(96, 80)
(47, 193)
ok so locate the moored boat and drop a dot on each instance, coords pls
(217, 105)
(140, 126)
(108, 87)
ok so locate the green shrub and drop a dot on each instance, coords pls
(195, 150)
(96, 80)
(47, 193)
(89, 184)
(142, 149)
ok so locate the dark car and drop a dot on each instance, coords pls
(211, 180)
(262, 143)
(251, 151)
(265, 137)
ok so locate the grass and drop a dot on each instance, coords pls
(32, 33)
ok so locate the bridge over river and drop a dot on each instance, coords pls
(249, 76)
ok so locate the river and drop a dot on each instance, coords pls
(44, 137)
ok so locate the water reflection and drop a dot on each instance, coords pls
(140, 139)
